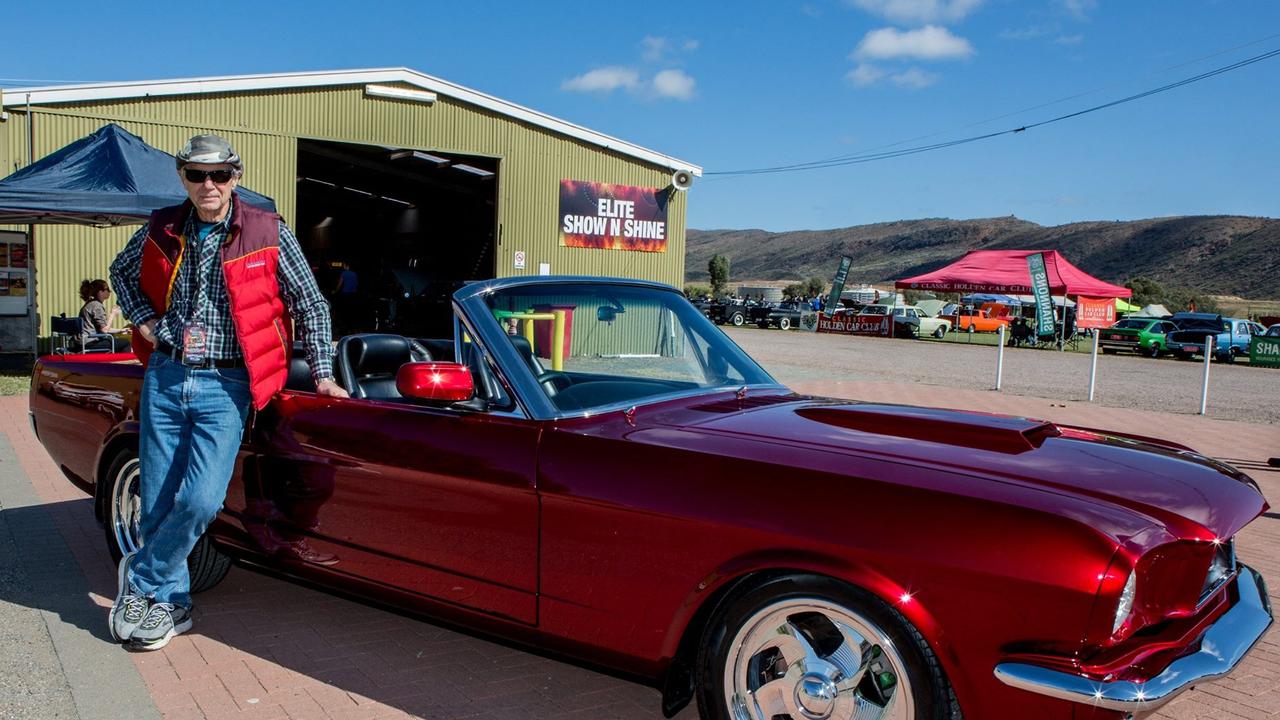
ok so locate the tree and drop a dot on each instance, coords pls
(814, 286)
(696, 292)
(794, 290)
(1145, 291)
(718, 269)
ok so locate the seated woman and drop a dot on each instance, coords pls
(95, 320)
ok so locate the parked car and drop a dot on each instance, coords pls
(645, 497)
(904, 325)
(1145, 336)
(1273, 331)
(1231, 336)
(988, 318)
(784, 315)
(732, 311)
(927, 325)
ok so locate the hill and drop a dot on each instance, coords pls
(1222, 255)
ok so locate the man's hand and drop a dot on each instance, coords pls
(148, 330)
(328, 388)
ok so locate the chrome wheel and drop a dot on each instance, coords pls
(126, 507)
(810, 659)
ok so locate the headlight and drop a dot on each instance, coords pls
(1125, 607)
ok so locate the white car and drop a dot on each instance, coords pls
(929, 325)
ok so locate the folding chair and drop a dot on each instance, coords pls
(67, 330)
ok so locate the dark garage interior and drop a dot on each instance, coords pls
(413, 225)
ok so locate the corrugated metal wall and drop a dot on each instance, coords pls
(264, 128)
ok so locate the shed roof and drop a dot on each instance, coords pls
(54, 94)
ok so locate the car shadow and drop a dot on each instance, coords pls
(276, 641)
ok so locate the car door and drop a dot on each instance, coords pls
(434, 501)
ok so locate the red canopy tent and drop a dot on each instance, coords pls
(1005, 271)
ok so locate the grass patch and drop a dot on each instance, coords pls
(14, 383)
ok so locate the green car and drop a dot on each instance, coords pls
(1141, 335)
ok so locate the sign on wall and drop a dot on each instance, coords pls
(613, 217)
(13, 273)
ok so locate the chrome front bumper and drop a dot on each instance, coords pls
(1222, 647)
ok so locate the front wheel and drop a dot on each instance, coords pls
(122, 515)
(812, 647)
(784, 323)
(738, 319)
(940, 331)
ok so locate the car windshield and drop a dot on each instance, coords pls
(1273, 331)
(591, 346)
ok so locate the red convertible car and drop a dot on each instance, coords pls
(591, 467)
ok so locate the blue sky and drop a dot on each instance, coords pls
(753, 84)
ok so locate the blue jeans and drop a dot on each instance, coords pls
(191, 422)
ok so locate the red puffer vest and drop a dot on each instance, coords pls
(250, 255)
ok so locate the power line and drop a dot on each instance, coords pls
(871, 157)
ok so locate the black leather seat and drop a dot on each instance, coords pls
(299, 371)
(368, 364)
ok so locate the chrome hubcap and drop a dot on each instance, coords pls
(809, 659)
(126, 508)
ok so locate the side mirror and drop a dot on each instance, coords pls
(435, 381)
(606, 313)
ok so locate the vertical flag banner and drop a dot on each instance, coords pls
(1040, 289)
(837, 285)
(612, 217)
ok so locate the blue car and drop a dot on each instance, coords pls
(1231, 336)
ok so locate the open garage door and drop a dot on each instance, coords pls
(392, 232)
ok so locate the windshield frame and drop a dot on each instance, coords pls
(471, 300)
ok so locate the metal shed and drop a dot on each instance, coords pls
(455, 182)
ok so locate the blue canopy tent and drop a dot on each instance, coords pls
(979, 298)
(111, 177)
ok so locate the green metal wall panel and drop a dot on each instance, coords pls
(265, 127)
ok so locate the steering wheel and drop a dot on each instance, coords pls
(553, 381)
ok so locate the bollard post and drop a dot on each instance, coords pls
(1204, 389)
(1000, 357)
(1093, 367)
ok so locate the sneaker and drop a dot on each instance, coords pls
(301, 551)
(130, 606)
(163, 621)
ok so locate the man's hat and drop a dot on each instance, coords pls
(208, 150)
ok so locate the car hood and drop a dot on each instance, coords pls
(1168, 483)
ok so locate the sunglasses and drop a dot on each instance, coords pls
(197, 177)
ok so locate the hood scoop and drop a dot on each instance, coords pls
(733, 405)
(978, 431)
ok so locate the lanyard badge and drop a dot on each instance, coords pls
(195, 344)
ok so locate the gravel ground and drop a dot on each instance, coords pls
(1236, 392)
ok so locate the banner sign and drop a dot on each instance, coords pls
(1264, 351)
(837, 285)
(612, 217)
(1095, 312)
(809, 321)
(1040, 289)
(847, 324)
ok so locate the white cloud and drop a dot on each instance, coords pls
(1070, 40)
(914, 78)
(1079, 9)
(689, 45)
(604, 80)
(927, 43)
(922, 11)
(811, 10)
(674, 84)
(865, 74)
(654, 48)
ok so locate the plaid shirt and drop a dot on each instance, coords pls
(200, 295)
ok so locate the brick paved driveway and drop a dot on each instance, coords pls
(265, 648)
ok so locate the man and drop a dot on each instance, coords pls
(212, 285)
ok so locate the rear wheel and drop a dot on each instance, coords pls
(969, 329)
(940, 332)
(784, 323)
(737, 319)
(123, 514)
(1154, 350)
(812, 647)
